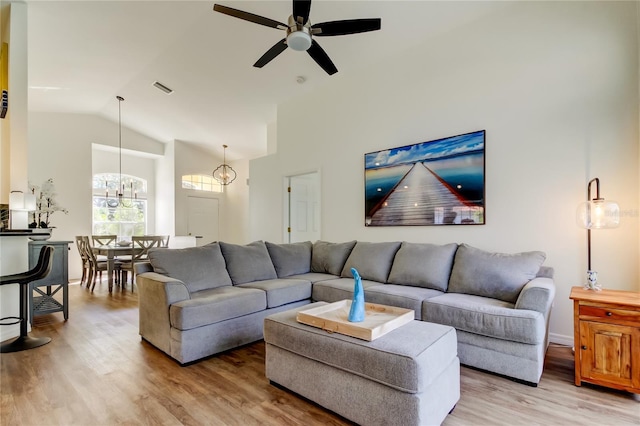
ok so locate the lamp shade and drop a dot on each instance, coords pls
(19, 201)
(598, 214)
(16, 200)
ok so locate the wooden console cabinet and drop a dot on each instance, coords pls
(607, 338)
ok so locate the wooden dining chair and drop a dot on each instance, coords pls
(80, 242)
(103, 240)
(97, 266)
(140, 246)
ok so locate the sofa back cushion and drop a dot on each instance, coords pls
(496, 275)
(423, 265)
(290, 259)
(248, 263)
(200, 268)
(372, 260)
(329, 258)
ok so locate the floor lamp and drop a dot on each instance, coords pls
(596, 213)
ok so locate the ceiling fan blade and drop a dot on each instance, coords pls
(320, 56)
(249, 17)
(301, 9)
(277, 49)
(349, 26)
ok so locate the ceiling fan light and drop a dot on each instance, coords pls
(299, 41)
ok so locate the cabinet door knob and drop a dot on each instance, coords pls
(609, 314)
(584, 347)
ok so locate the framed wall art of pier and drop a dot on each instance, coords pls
(439, 182)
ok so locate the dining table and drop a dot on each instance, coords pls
(112, 251)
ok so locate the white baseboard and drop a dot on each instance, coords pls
(561, 339)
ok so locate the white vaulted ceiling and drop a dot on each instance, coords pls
(84, 53)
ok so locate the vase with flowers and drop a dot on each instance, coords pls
(46, 205)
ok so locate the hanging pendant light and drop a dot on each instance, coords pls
(121, 199)
(224, 173)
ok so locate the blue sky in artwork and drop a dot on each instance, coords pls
(433, 150)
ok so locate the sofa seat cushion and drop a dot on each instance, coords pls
(290, 259)
(485, 316)
(401, 296)
(372, 260)
(282, 291)
(248, 263)
(329, 258)
(423, 265)
(199, 268)
(337, 289)
(408, 358)
(314, 277)
(496, 275)
(215, 305)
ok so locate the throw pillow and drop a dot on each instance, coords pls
(290, 259)
(372, 260)
(200, 268)
(423, 265)
(496, 275)
(248, 263)
(329, 258)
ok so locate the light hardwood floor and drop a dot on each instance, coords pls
(97, 371)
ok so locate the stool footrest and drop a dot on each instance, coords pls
(18, 320)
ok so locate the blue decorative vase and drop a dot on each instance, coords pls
(356, 314)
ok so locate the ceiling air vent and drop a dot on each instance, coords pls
(162, 87)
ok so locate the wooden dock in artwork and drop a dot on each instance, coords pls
(420, 198)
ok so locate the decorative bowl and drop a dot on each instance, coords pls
(41, 237)
(41, 234)
(123, 243)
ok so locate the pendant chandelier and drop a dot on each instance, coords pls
(121, 198)
(224, 173)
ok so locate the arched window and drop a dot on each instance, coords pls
(201, 183)
(110, 217)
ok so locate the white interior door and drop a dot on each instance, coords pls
(304, 208)
(202, 219)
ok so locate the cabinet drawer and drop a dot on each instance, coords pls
(610, 313)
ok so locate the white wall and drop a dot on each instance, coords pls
(191, 160)
(165, 191)
(60, 147)
(233, 202)
(555, 85)
(236, 226)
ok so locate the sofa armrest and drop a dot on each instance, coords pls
(537, 295)
(142, 267)
(156, 293)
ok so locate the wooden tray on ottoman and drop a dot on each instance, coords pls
(378, 320)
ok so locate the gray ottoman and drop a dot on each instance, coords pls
(410, 376)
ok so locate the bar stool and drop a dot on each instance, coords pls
(41, 270)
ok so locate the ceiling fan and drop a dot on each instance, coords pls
(300, 32)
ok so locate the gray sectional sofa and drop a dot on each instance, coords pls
(199, 301)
